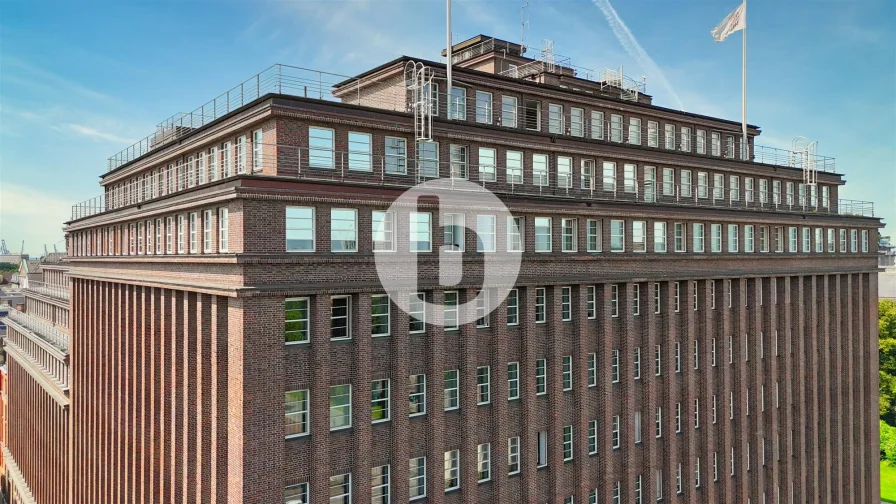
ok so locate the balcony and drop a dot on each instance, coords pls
(55, 291)
(564, 182)
(38, 328)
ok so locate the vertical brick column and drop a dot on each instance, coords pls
(204, 413)
(583, 397)
(657, 458)
(255, 395)
(529, 432)
(188, 395)
(690, 392)
(555, 392)
(499, 408)
(220, 404)
(669, 321)
(435, 390)
(871, 426)
(156, 372)
(320, 398)
(361, 399)
(469, 410)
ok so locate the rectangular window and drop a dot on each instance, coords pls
(718, 186)
(669, 136)
(864, 240)
(567, 372)
(685, 179)
(701, 141)
(564, 172)
(615, 128)
(360, 151)
(668, 182)
(486, 240)
(593, 231)
(853, 241)
(417, 312)
(659, 237)
(659, 422)
(509, 111)
(483, 385)
(380, 315)
(636, 299)
(566, 303)
(614, 300)
(819, 240)
(420, 225)
(542, 234)
(732, 238)
(487, 164)
(639, 236)
(832, 244)
(299, 229)
(748, 189)
(111, 233)
(555, 119)
(615, 438)
(637, 427)
(577, 122)
(541, 377)
(587, 174)
(653, 134)
(842, 240)
(614, 366)
(417, 478)
(379, 401)
(450, 313)
(428, 158)
(591, 302)
(340, 407)
(698, 237)
(383, 231)
(749, 239)
(457, 154)
(569, 235)
(194, 238)
(592, 437)
(636, 367)
(396, 155)
(540, 170)
(630, 178)
(416, 395)
(452, 470)
(379, 485)
(513, 381)
(716, 230)
(650, 184)
(540, 314)
(657, 306)
(513, 455)
(513, 307)
(340, 317)
(532, 115)
(451, 378)
(514, 167)
(634, 131)
(685, 139)
(297, 329)
(609, 176)
(484, 462)
(457, 104)
(793, 245)
(567, 442)
(296, 494)
(483, 107)
(297, 407)
(240, 154)
(542, 449)
(729, 146)
(734, 187)
(321, 150)
(702, 185)
(343, 230)
(592, 369)
(597, 125)
(341, 489)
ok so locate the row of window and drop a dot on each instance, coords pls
(217, 162)
(340, 486)
(193, 233)
(298, 317)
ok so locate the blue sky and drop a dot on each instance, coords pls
(81, 80)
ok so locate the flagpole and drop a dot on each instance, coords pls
(745, 146)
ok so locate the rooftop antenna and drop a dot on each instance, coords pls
(22, 252)
(45, 250)
(523, 24)
(3, 249)
(448, 43)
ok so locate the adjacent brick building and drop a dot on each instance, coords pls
(691, 323)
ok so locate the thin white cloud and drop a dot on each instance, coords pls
(99, 135)
(633, 48)
(32, 215)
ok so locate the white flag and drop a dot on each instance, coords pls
(733, 22)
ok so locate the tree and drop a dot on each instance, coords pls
(8, 267)
(887, 357)
(886, 318)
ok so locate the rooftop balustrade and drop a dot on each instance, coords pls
(56, 291)
(39, 328)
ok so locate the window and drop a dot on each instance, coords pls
(609, 176)
(457, 103)
(637, 363)
(340, 317)
(240, 156)
(807, 239)
(111, 233)
(698, 237)
(454, 232)
(853, 241)
(657, 306)
(668, 182)
(483, 385)
(716, 230)
(734, 187)
(732, 238)
(659, 422)
(614, 300)
(636, 299)
(542, 234)
(793, 239)
(540, 170)
(380, 315)
(508, 111)
(359, 151)
(383, 231)
(677, 355)
(340, 407)
(832, 244)
(396, 155)
(299, 229)
(591, 302)
(617, 493)
(459, 160)
(417, 312)
(592, 370)
(566, 303)
(614, 366)
(417, 478)
(864, 240)
(296, 494)
(513, 455)
(718, 186)
(513, 380)
(450, 317)
(678, 417)
(593, 235)
(597, 125)
(592, 437)
(321, 151)
(482, 312)
(541, 377)
(417, 395)
(532, 115)
(484, 461)
(513, 307)
(729, 146)
(653, 134)
(617, 236)
(483, 107)
(296, 404)
(194, 238)
(685, 139)
(452, 470)
(615, 128)
(659, 236)
(540, 314)
(634, 131)
(576, 122)
(169, 239)
(297, 329)
(341, 489)
(615, 438)
(379, 485)
(569, 239)
(223, 231)
(819, 240)
(842, 240)
(749, 239)
(555, 119)
(658, 360)
(715, 416)
(567, 373)
(428, 158)
(748, 189)
(637, 427)
(542, 449)
(639, 236)
(487, 163)
(702, 185)
(379, 401)
(486, 240)
(514, 167)
(420, 232)
(451, 389)
(630, 178)
(685, 179)
(567, 442)
(564, 172)
(669, 136)
(140, 234)
(343, 230)
(225, 160)
(701, 141)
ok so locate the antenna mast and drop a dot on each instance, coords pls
(523, 24)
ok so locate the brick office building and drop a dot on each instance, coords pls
(690, 324)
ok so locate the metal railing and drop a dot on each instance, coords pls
(56, 291)
(357, 166)
(279, 79)
(40, 328)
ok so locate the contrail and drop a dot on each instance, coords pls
(633, 48)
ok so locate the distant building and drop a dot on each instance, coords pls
(887, 250)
